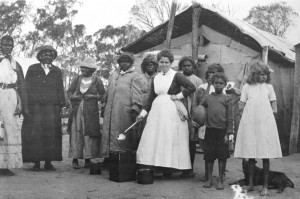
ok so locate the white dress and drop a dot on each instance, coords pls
(10, 146)
(257, 135)
(165, 139)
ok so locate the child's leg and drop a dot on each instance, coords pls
(210, 166)
(205, 177)
(222, 164)
(192, 152)
(266, 169)
(224, 174)
(251, 164)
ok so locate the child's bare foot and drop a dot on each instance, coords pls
(208, 184)
(248, 189)
(203, 179)
(220, 185)
(265, 191)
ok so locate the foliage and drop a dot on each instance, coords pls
(150, 13)
(12, 17)
(108, 42)
(275, 18)
(53, 24)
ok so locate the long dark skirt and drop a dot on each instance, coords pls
(42, 134)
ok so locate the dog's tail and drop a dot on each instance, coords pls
(289, 183)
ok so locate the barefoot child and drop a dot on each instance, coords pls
(219, 125)
(257, 135)
(200, 94)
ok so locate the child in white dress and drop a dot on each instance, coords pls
(257, 135)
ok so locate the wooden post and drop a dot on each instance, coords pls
(294, 135)
(264, 54)
(171, 24)
(195, 27)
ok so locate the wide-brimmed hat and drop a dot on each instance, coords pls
(125, 56)
(89, 62)
(48, 48)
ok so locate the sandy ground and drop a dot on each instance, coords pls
(67, 183)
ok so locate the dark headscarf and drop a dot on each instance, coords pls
(46, 48)
(125, 57)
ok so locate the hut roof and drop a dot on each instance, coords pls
(279, 48)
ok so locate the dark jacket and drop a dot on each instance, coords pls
(90, 106)
(42, 88)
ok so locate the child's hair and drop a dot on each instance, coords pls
(255, 70)
(219, 76)
(216, 68)
(165, 53)
(187, 58)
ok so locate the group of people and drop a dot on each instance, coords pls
(162, 102)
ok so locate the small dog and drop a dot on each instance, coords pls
(277, 180)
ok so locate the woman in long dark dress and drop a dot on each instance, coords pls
(165, 139)
(41, 130)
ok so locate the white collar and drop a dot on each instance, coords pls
(46, 65)
(170, 71)
(127, 71)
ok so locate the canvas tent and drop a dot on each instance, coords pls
(234, 44)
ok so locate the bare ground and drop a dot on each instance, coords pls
(67, 183)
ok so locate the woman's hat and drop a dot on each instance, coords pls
(125, 57)
(46, 48)
(89, 62)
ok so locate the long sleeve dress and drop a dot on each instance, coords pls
(41, 130)
(85, 132)
(10, 145)
(165, 139)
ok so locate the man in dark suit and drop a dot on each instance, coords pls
(41, 131)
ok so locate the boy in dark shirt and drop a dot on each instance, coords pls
(219, 125)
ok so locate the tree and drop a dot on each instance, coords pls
(12, 16)
(150, 13)
(54, 26)
(109, 41)
(275, 18)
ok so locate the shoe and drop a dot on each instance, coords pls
(49, 167)
(75, 165)
(36, 166)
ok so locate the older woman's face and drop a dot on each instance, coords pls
(85, 71)
(164, 64)
(46, 57)
(6, 46)
(125, 65)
